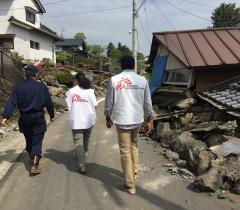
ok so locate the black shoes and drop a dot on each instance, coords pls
(35, 169)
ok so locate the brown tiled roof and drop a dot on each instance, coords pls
(201, 48)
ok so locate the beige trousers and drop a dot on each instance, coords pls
(81, 144)
(128, 145)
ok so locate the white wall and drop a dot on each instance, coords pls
(22, 44)
(16, 8)
(7, 6)
(20, 13)
(172, 62)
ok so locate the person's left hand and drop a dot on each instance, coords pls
(4, 122)
(109, 123)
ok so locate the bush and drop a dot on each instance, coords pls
(17, 61)
(63, 56)
(65, 78)
(47, 63)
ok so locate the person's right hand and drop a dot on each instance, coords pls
(4, 122)
(52, 119)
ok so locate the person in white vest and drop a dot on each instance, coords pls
(127, 104)
(82, 103)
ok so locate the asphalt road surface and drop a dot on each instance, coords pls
(61, 187)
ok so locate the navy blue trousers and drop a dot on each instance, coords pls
(33, 126)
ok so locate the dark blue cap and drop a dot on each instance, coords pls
(31, 68)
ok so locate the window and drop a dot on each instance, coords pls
(178, 77)
(34, 45)
(6, 43)
(30, 17)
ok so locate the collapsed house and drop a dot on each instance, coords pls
(195, 88)
(183, 61)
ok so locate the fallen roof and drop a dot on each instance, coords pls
(70, 43)
(17, 22)
(225, 95)
(201, 48)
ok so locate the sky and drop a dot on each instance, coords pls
(104, 21)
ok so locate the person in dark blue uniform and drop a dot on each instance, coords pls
(31, 97)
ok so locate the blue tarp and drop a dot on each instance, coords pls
(157, 73)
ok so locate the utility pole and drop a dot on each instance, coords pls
(134, 33)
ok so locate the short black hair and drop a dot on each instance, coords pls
(30, 74)
(83, 82)
(127, 62)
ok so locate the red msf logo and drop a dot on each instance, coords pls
(76, 98)
(123, 83)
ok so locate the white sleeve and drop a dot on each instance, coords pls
(93, 98)
(69, 100)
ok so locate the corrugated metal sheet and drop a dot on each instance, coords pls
(203, 48)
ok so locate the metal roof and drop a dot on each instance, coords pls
(70, 43)
(201, 48)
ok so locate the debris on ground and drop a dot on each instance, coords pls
(227, 148)
(200, 138)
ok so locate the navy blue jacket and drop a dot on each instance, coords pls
(29, 96)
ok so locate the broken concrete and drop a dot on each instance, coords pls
(172, 156)
(210, 181)
(51, 81)
(215, 139)
(184, 104)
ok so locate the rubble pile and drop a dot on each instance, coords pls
(98, 79)
(201, 140)
(8, 132)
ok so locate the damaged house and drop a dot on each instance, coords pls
(195, 87)
(183, 61)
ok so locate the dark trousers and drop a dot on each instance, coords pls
(33, 126)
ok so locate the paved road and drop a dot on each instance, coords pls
(61, 187)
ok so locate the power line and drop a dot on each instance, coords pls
(183, 10)
(91, 6)
(140, 6)
(164, 15)
(50, 3)
(55, 2)
(88, 12)
(148, 27)
(145, 34)
(199, 4)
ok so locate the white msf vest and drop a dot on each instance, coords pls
(81, 104)
(129, 90)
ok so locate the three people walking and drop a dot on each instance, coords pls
(127, 105)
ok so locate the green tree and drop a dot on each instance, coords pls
(140, 56)
(115, 54)
(63, 56)
(94, 49)
(110, 48)
(80, 35)
(225, 15)
(124, 49)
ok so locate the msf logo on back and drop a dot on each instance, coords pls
(124, 82)
(76, 98)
